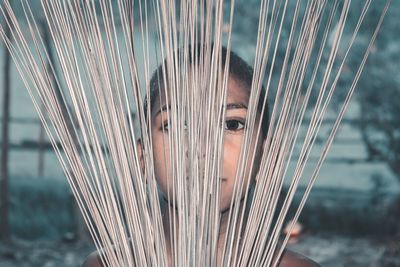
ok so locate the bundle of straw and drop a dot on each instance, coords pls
(195, 177)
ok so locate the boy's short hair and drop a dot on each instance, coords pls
(238, 68)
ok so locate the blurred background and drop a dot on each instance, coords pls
(353, 214)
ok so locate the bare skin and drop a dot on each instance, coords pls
(237, 101)
(289, 259)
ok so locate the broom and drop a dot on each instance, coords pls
(159, 194)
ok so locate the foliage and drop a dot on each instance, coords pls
(379, 96)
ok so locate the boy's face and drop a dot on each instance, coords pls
(235, 120)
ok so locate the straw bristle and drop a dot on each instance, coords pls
(108, 155)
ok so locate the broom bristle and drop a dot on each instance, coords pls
(105, 53)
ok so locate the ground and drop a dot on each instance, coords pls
(341, 251)
(327, 249)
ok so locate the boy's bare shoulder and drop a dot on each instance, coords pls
(289, 259)
(293, 259)
(93, 260)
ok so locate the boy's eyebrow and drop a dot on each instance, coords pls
(235, 106)
(163, 108)
(228, 107)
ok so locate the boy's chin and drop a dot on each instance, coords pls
(224, 206)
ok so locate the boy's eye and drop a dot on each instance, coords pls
(165, 126)
(234, 125)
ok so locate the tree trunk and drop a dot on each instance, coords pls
(4, 176)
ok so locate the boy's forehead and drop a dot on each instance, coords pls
(237, 93)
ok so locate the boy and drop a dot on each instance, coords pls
(237, 100)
